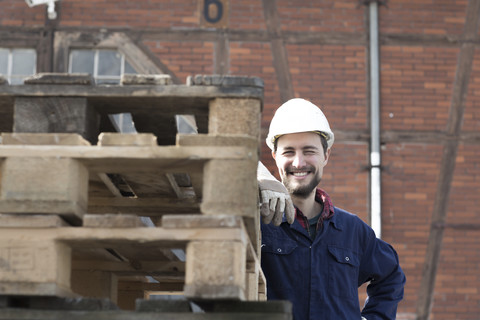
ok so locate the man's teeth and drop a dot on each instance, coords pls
(299, 174)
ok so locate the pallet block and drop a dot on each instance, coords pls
(230, 186)
(215, 270)
(235, 116)
(245, 280)
(29, 267)
(40, 185)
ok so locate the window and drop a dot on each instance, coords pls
(106, 66)
(17, 64)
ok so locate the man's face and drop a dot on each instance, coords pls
(300, 160)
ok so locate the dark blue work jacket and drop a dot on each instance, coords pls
(321, 277)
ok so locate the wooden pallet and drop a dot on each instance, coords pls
(66, 103)
(52, 244)
(39, 309)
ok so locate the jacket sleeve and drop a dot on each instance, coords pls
(381, 267)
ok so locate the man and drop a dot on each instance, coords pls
(317, 255)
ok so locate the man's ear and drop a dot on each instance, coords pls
(327, 155)
(274, 154)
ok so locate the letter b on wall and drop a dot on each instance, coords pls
(213, 13)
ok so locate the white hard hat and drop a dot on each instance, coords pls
(298, 115)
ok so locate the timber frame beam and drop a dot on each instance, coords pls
(447, 167)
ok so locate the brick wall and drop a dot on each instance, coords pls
(419, 56)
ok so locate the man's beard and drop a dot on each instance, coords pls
(302, 191)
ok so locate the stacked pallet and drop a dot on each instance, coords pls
(120, 215)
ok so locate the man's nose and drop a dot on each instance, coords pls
(298, 161)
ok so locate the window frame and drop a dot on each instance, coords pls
(9, 76)
(96, 63)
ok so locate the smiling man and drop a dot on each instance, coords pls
(317, 255)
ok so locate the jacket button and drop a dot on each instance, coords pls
(347, 259)
(279, 250)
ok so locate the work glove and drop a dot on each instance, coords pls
(275, 199)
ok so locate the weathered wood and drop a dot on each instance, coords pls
(112, 221)
(123, 139)
(133, 159)
(95, 284)
(107, 237)
(279, 52)
(218, 140)
(142, 206)
(56, 303)
(60, 78)
(235, 116)
(16, 314)
(222, 56)
(201, 221)
(447, 167)
(134, 55)
(143, 79)
(221, 194)
(216, 270)
(63, 139)
(188, 96)
(39, 263)
(155, 268)
(42, 185)
(32, 267)
(150, 286)
(55, 114)
(31, 221)
(45, 48)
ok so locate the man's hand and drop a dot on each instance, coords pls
(275, 199)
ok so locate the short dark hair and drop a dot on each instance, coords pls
(322, 139)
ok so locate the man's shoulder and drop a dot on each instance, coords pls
(345, 217)
(344, 214)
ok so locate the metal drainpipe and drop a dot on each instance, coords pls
(375, 159)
